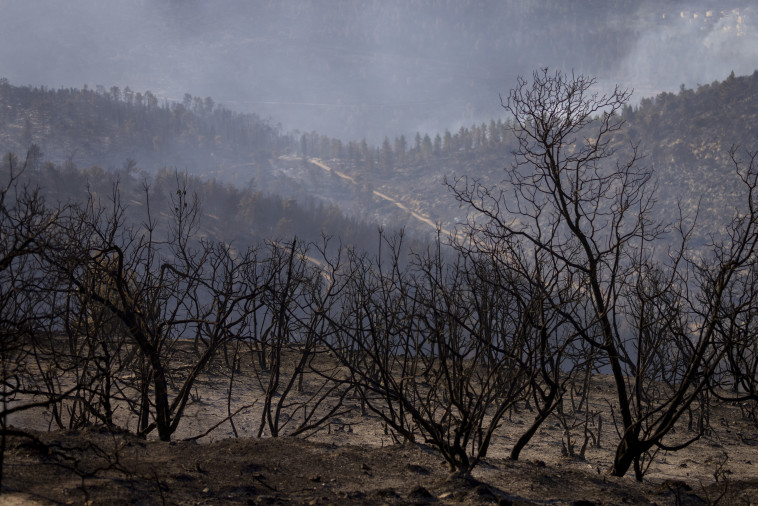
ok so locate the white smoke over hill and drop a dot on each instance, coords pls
(690, 44)
(370, 69)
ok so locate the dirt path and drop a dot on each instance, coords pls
(400, 205)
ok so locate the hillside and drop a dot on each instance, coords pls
(105, 127)
(240, 217)
(684, 138)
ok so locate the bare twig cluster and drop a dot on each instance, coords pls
(559, 275)
(576, 223)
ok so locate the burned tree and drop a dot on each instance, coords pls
(179, 299)
(434, 348)
(586, 219)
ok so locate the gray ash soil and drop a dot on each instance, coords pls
(76, 467)
(353, 460)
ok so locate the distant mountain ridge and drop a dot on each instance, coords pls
(105, 127)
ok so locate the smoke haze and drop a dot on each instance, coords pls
(369, 69)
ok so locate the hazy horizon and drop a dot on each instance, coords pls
(370, 69)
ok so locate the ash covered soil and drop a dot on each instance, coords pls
(95, 465)
(353, 460)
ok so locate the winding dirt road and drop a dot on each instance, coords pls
(400, 205)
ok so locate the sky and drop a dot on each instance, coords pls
(371, 68)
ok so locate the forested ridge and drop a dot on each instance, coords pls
(683, 137)
(105, 127)
(73, 141)
(238, 217)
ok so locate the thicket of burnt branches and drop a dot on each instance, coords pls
(661, 322)
(558, 276)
